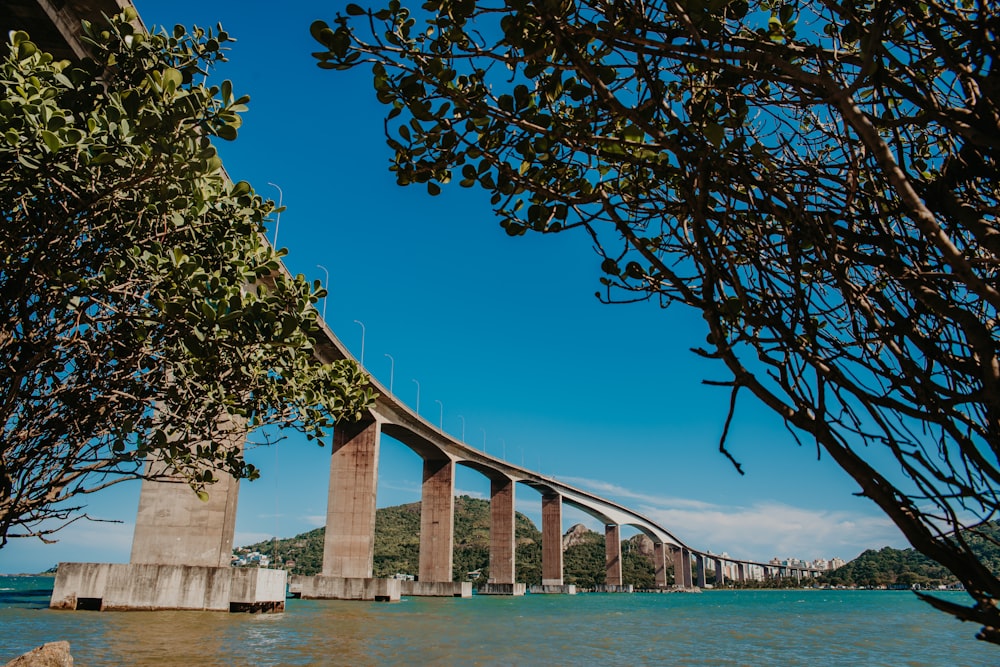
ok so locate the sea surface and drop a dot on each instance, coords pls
(812, 628)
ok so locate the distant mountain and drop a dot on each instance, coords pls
(397, 548)
(888, 566)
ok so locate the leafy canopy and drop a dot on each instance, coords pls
(142, 312)
(817, 177)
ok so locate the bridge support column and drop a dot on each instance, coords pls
(349, 545)
(552, 551)
(437, 521)
(612, 555)
(682, 568)
(502, 540)
(660, 564)
(720, 574)
(699, 562)
(741, 574)
(181, 548)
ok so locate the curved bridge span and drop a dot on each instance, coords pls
(441, 451)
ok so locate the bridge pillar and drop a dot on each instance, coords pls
(437, 521)
(174, 527)
(612, 555)
(349, 545)
(181, 548)
(502, 540)
(741, 575)
(720, 574)
(660, 564)
(552, 551)
(688, 583)
(699, 562)
(682, 568)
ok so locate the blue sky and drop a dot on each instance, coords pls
(504, 332)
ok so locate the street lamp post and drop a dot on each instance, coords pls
(277, 221)
(362, 341)
(441, 416)
(326, 288)
(392, 368)
(418, 397)
(484, 440)
(503, 444)
(463, 428)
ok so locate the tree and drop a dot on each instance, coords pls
(817, 178)
(143, 312)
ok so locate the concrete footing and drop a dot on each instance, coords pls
(554, 589)
(503, 589)
(608, 588)
(437, 589)
(320, 587)
(140, 586)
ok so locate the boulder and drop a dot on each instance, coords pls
(53, 654)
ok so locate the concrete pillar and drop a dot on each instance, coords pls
(174, 527)
(682, 568)
(798, 576)
(699, 562)
(552, 551)
(688, 582)
(660, 564)
(349, 546)
(720, 574)
(437, 520)
(502, 541)
(741, 574)
(612, 555)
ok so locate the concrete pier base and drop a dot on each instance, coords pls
(611, 588)
(143, 586)
(503, 589)
(436, 589)
(321, 587)
(553, 589)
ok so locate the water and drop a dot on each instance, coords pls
(738, 628)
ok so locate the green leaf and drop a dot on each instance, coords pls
(354, 10)
(51, 140)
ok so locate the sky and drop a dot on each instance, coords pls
(502, 337)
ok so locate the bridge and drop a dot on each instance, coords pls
(182, 546)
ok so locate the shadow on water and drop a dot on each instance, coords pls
(25, 592)
(33, 599)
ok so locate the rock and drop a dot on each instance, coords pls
(643, 545)
(53, 654)
(578, 534)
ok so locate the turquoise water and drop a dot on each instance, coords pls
(745, 628)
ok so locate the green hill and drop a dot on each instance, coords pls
(397, 548)
(397, 543)
(888, 566)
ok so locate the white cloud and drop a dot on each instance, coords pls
(759, 531)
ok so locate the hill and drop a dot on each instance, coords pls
(888, 566)
(397, 548)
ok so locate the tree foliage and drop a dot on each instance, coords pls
(817, 177)
(142, 312)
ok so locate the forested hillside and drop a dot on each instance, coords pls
(888, 566)
(397, 548)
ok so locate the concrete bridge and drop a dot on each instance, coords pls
(182, 546)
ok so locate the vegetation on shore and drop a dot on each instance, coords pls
(397, 551)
